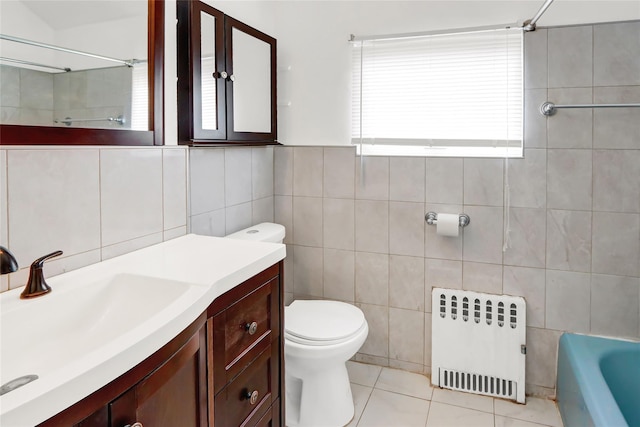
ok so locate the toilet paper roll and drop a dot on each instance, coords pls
(448, 224)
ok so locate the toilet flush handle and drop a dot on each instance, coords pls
(251, 327)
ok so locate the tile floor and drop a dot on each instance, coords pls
(387, 397)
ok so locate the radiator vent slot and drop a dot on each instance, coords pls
(476, 343)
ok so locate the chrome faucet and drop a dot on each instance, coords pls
(36, 285)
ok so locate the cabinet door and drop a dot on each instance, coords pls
(202, 71)
(173, 395)
(251, 88)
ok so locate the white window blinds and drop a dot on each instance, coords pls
(454, 94)
(140, 97)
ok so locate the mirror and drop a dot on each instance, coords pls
(81, 72)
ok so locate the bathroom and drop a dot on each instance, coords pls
(574, 198)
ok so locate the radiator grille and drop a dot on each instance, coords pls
(478, 343)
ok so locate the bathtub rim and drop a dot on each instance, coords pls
(598, 399)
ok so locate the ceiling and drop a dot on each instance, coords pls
(65, 14)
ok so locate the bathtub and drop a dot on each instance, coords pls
(598, 382)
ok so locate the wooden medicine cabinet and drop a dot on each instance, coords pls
(226, 79)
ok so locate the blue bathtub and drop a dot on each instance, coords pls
(598, 382)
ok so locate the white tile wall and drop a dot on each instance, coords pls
(93, 203)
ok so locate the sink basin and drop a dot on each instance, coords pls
(83, 328)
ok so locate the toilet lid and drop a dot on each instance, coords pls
(319, 320)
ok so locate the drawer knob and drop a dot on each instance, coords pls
(252, 396)
(251, 327)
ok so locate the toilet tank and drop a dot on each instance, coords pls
(264, 232)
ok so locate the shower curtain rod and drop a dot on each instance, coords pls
(530, 25)
(35, 64)
(128, 63)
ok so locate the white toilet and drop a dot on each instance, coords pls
(320, 336)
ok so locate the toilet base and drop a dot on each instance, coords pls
(323, 398)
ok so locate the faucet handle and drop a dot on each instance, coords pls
(36, 285)
(40, 261)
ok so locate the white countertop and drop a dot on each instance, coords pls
(211, 265)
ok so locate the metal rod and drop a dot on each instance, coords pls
(549, 108)
(128, 63)
(530, 25)
(68, 120)
(354, 38)
(35, 64)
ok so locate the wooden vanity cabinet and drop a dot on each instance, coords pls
(167, 389)
(246, 354)
(225, 370)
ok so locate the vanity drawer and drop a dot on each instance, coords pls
(246, 399)
(245, 329)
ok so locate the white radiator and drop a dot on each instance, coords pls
(478, 343)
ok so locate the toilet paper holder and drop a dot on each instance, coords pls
(432, 219)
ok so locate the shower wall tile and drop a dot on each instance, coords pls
(615, 54)
(339, 223)
(372, 178)
(535, 123)
(372, 226)
(440, 273)
(283, 171)
(308, 171)
(573, 127)
(372, 278)
(9, 86)
(568, 301)
(535, 62)
(407, 179)
(406, 228)
(307, 221)
(427, 343)
(616, 243)
(174, 188)
(308, 269)
(528, 179)
(614, 305)
(437, 246)
(542, 356)
(53, 202)
(570, 56)
(262, 210)
(377, 342)
(526, 246)
(210, 223)
(569, 179)
(444, 181)
(237, 176)
(483, 182)
(4, 233)
(530, 284)
(121, 248)
(283, 214)
(238, 217)
(406, 282)
(616, 180)
(478, 277)
(483, 243)
(261, 172)
(617, 128)
(568, 240)
(406, 335)
(36, 90)
(339, 172)
(131, 194)
(206, 170)
(339, 275)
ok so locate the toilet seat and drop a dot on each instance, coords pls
(322, 323)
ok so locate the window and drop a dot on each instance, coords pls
(458, 94)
